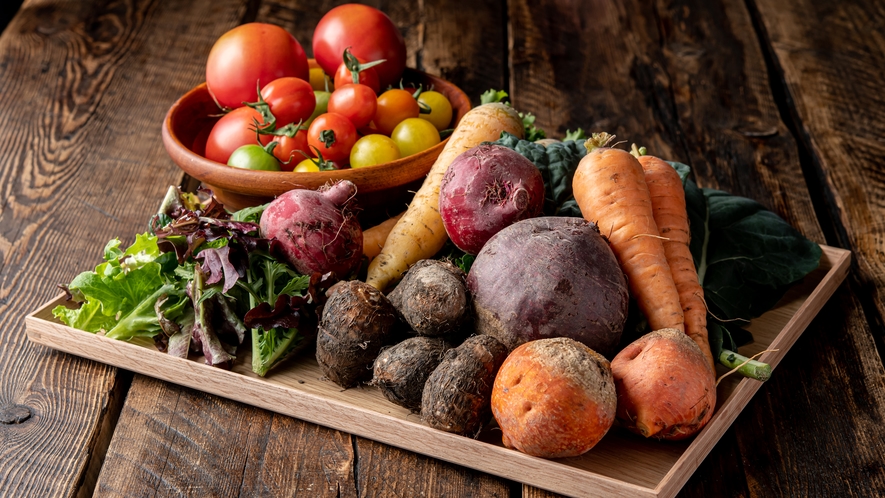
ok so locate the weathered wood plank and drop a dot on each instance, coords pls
(688, 80)
(78, 166)
(831, 58)
(172, 441)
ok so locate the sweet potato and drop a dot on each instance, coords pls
(357, 322)
(401, 370)
(457, 395)
(432, 298)
(664, 384)
(549, 277)
(554, 398)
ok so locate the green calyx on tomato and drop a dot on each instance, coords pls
(327, 137)
(314, 164)
(255, 157)
(356, 67)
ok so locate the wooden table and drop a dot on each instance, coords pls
(778, 100)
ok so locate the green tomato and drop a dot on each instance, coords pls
(253, 156)
(306, 166)
(322, 106)
(373, 149)
(413, 135)
(440, 109)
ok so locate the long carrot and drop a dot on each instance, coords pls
(420, 233)
(609, 186)
(375, 237)
(668, 205)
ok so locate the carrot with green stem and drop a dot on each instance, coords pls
(609, 187)
(670, 214)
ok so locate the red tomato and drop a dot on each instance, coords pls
(233, 130)
(333, 135)
(289, 149)
(249, 56)
(393, 107)
(291, 100)
(367, 77)
(369, 33)
(355, 102)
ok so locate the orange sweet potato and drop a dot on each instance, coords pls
(554, 398)
(665, 387)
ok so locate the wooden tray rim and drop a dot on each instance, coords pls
(414, 436)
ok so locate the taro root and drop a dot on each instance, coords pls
(432, 298)
(357, 322)
(666, 389)
(554, 398)
(549, 277)
(457, 395)
(401, 370)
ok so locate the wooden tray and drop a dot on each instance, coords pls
(620, 465)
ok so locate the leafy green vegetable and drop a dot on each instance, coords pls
(557, 163)
(574, 135)
(746, 256)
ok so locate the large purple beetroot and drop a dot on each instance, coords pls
(485, 189)
(318, 230)
(549, 277)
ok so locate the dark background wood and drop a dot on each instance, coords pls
(776, 100)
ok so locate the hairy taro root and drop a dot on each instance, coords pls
(554, 398)
(401, 370)
(357, 322)
(457, 395)
(432, 298)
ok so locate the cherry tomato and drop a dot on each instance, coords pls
(306, 166)
(253, 157)
(393, 107)
(289, 149)
(373, 149)
(369, 33)
(356, 102)
(414, 135)
(368, 77)
(291, 100)
(249, 56)
(333, 135)
(440, 109)
(322, 105)
(233, 130)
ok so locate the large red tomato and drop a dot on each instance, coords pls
(369, 33)
(251, 56)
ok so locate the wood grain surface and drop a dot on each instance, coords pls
(775, 100)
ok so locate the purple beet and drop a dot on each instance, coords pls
(486, 189)
(317, 228)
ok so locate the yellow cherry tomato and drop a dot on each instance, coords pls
(373, 149)
(306, 166)
(318, 79)
(440, 109)
(414, 135)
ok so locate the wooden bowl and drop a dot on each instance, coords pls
(189, 120)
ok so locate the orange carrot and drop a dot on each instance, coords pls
(668, 206)
(374, 238)
(609, 186)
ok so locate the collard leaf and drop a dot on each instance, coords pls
(746, 256)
